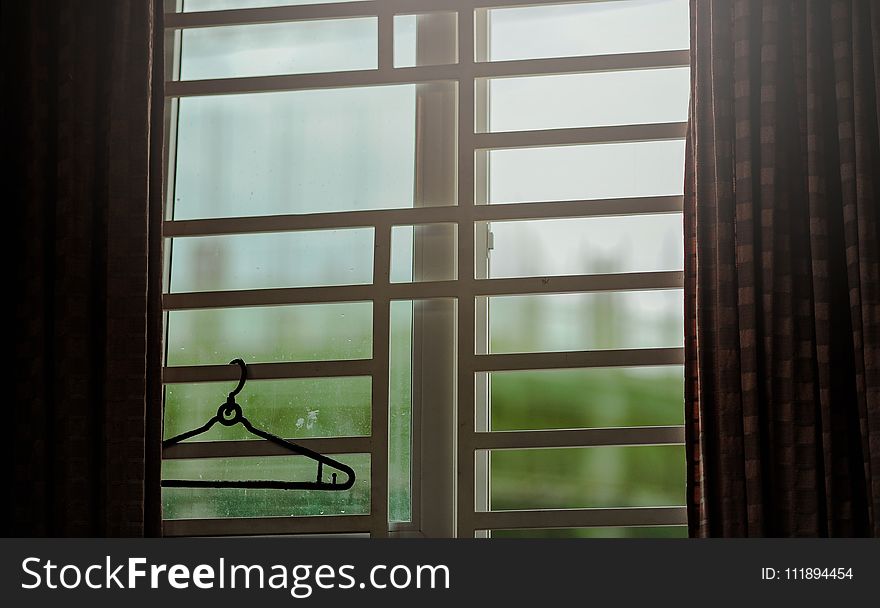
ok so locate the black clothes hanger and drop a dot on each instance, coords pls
(229, 414)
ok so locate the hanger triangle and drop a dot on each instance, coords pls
(230, 413)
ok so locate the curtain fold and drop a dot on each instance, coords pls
(83, 107)
(782, 295)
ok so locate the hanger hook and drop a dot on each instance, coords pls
(241, 379)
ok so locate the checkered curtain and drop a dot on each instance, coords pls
(82, 109)
(782, 295)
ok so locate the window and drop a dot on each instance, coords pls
(446, 237)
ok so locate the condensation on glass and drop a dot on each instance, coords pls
(201, 503)
(419, 398)
(297, 408)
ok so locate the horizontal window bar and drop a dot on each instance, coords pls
(252, 526)
(577, 518)
(306, 221)
(267, 297)
(268, 371)
(272, 14)
(173, 20)
(304, 82)
(580, 136)
(426, 73)
(234, 449)
(624, 281)
(627, 281)
(580, 208)
(645, 435)
(629, 357)
(646, 60)
(422, 215)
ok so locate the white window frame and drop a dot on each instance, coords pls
(450, 477)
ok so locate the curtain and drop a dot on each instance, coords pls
(82, 107)
(782, 297)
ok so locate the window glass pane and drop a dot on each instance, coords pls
(400, 414)
(588, 100)
(259, 261)
(422, 377)
(220, 5)
(594, 245)
(295, 152)
(423, 253)
(571, 478)
(589, 28)
(611, 532)
(587, 172)
(189, 503)
(265, 49)
(309, 332)
(308, 407)
(586, 321)
(587, 398)
(405, 36)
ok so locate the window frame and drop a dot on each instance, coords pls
(464, 511)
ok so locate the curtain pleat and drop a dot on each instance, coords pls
(83, 104)
(782, 303)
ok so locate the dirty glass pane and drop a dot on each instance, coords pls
(305, 407)
(187, 503)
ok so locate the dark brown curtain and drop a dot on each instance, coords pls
(82, 95)
(783, 255)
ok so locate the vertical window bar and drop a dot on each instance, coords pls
(386, 38)
(466, 377)
(381, 328)
(434, 320)
(482, 489)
